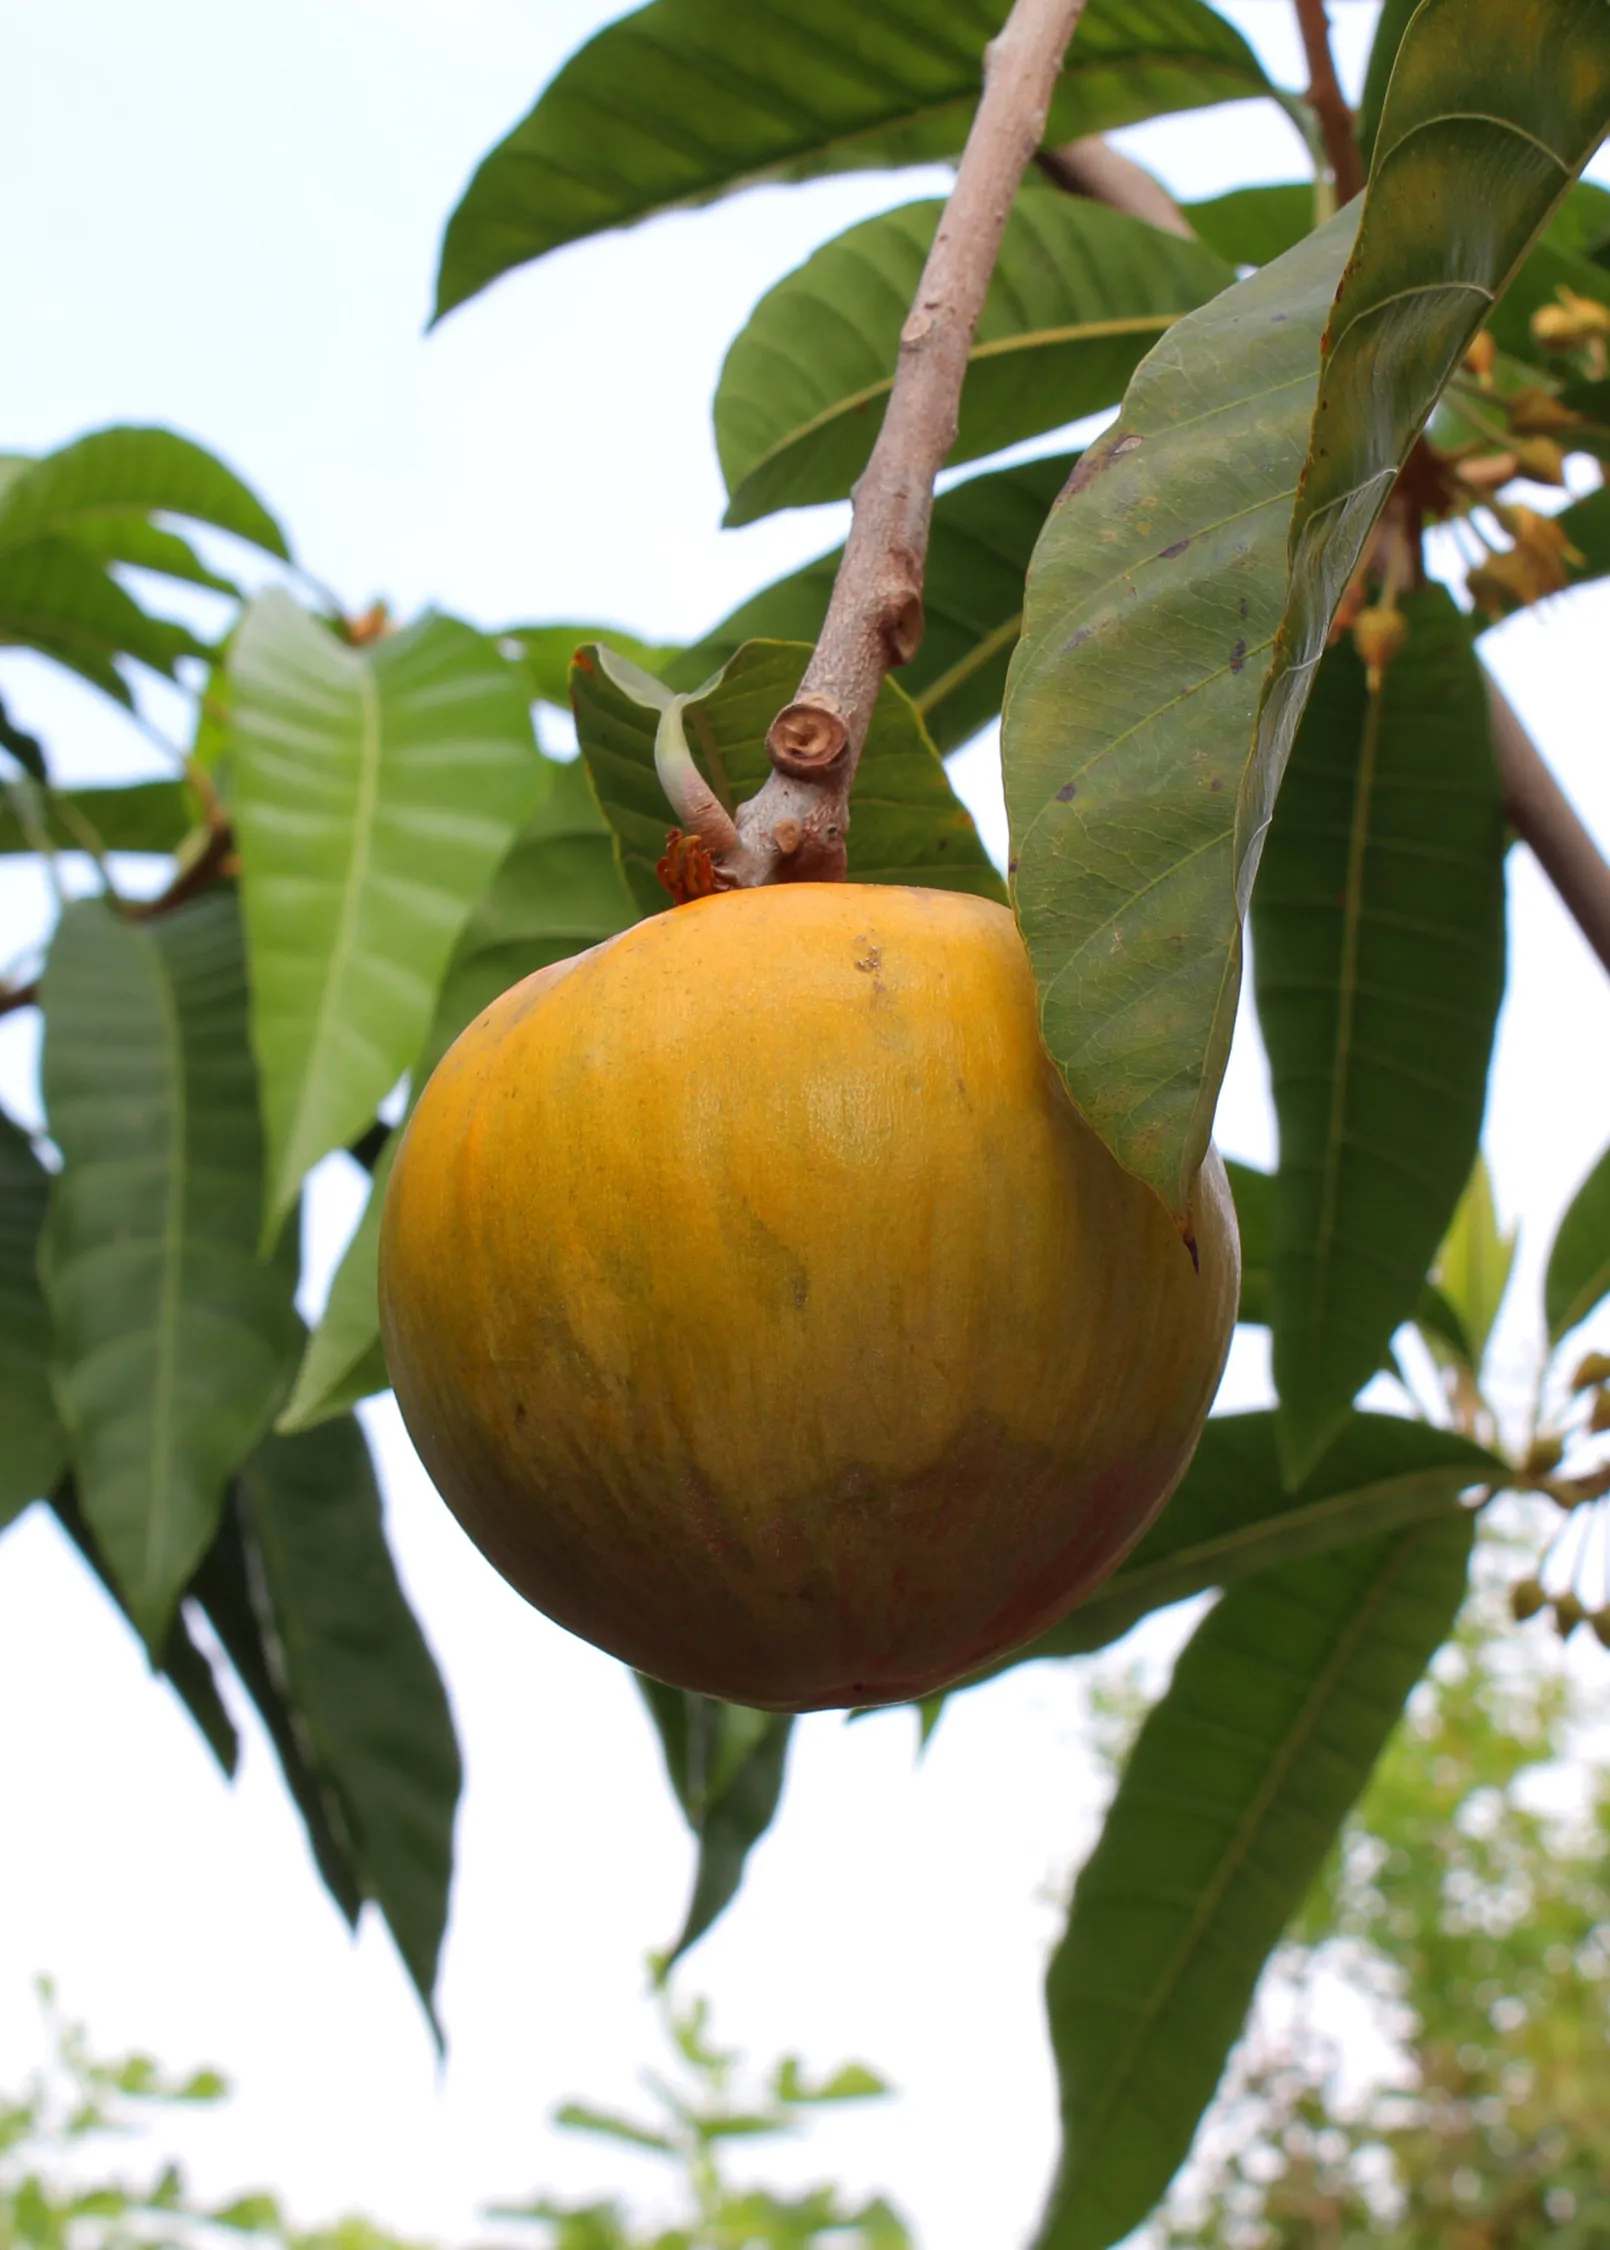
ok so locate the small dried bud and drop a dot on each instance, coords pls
(1378, 634)
(1485, 472)
(1479, 359)
(1573, 322)
(1592, 1371)
(1600, 1621)
(1540, 459)
(1535, 413)
(1526, 1598)
(1599, 1419)
(1546, 1452)
(1568, 1615)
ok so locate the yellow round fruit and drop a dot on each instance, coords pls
(767, 1314)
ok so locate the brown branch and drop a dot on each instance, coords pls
(794, 829)
(212, 864)
(1095, 169)
(1542, 816)
(18, 996)
(1329, 103)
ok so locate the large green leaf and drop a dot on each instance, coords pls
(374, 792)
(365, 1688)
(55, 597)
(1252, 226)
(1378, 956)
(559, 891)
(179, 1661)
(906, 823)
(1234, 1516)
(726, 1765)
(135, 472)
(1230, 1799)
(1493, 108)
(1079, 294)
(138, 816)
(979, 544)
(1578, 1276)
(33, 1447)
(687, 100)
(1153, 600)
(173, 1339)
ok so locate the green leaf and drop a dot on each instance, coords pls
(581, 2117)
(374, 792)
(726, 1764)
(1255, 225)
(1493, 108)
(906, 823)
(1233, 1516)
(1153, 599)
(1079, 294)
(130, 539)
(687, 100)
(1390, 25)
(1379, 959)
(852, 2082)
(1473, 1267)
(135, 472)
(180, 1662)
(33, 1446)
(55, 597)
(173, 1339)
(1586, 523)
(544, 652)
(362, 1680)
(1230, 1799)
(139, 816)
(559, 891)
(1578, 1276)
(1254, 1194)
(231, 1590)
(979, 544)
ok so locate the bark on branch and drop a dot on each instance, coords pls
(794, 829)
(1095, 169)
(1542, 816)
(1329, 103)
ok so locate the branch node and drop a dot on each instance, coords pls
(807, 737)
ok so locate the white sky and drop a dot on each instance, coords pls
(226, 219)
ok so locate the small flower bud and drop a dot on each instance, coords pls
(1539, 458)
(1479, 359)
(1591, 1371)
(1546, 1452)
(1573, 322)
(1568, 1615)
(1599, 1419)
(1526, 1598)
(1378, 634)
(1600, 1621)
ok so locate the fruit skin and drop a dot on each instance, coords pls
(766, 1313)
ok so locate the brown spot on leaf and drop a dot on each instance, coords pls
(1178, 548)
(1238, 656)
(1067, 791)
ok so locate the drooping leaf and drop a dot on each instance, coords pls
(979, 544)
(1232, 1795)
(687, 100)
(726, 1765)
(173, 1338)
(1079, 294)
(1234, 1517)
(139, 816)
(1255, 1223)
(1474, 1265)
(1493, 108)
(906, 823)
(374, 792)
(1578, 1276)
(1154, 597)
(364, 1685)
(33, 1446)
(179, 1661)
(132, 471)
(1379, 963)
(544, 652)
(55, 597)
(230, 1589)
(1252, 226)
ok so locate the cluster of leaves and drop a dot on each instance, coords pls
(1482, 1925)
(367, 843)
(55, 2193)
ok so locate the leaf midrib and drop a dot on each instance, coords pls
(1246, 1830)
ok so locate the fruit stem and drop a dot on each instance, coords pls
(794, 829)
